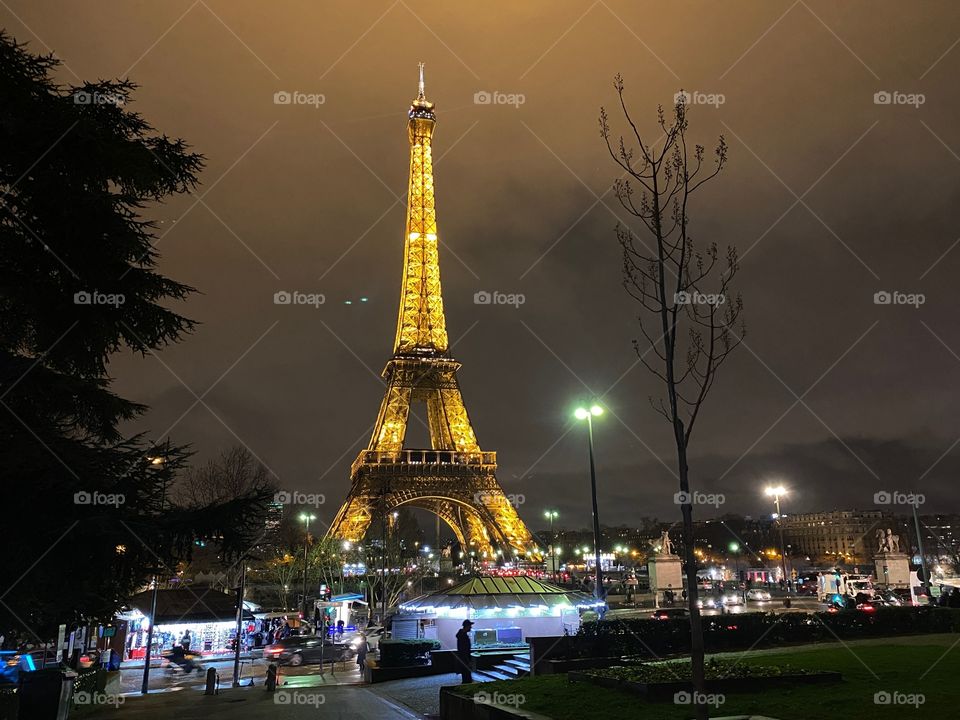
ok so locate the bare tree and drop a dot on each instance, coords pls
(689, 331)
(233, 473)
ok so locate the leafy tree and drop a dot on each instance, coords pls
(89, 510)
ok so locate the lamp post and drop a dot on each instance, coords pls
(552, 515)
(735, 549)
(588, 415)
(155, 461)
(305, 518)
(776, 491)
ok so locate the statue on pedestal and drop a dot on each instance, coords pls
(887, 542)
(665, 544)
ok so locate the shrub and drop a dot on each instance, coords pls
(400, 653)
(648, 638)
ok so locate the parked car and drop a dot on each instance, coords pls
(309, 650)
(758, 595)
(670, 614)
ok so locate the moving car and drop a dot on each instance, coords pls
(709, 602)
(733, 598)
(670, 614)
(758, 595)
(307, 649)
(374, 634)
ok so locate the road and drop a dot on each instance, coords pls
(801, 604)
(342, 702)
(131, 678)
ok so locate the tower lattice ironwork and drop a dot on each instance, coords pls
(454, 478)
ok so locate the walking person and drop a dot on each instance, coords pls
(463, 651)
(363, 647)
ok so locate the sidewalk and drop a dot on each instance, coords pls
(137, 664)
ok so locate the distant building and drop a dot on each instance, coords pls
(843, 535)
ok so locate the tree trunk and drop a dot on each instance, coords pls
(690, 559)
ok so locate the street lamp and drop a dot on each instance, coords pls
(776, 491)
(305, 518)
(552, 515)
(735, 548)
(582, 413)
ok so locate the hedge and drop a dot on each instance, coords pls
(400, 653)
(648, 638)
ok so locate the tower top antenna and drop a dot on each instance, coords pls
(420, 95)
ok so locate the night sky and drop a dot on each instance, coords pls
(829, 196)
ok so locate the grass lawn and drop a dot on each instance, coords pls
(889, 665)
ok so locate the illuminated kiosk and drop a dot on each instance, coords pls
(504, 610)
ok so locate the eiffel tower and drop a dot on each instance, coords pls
(454, 478)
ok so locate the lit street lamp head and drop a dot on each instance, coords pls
(582, 413)
(775, 490)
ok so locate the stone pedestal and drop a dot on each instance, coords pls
(665, 574)
(893, 569)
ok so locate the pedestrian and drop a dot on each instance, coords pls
(363, 648)
(339, 629)
(463, 651)
(185, 640)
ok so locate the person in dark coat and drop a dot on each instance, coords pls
(362, 649)
(463, 651)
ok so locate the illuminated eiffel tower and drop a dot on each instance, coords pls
(454, 478)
